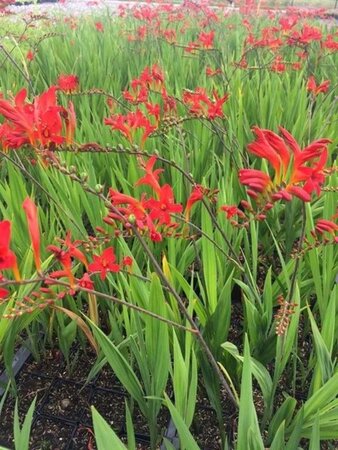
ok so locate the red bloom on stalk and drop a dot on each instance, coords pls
(86, 282)
(212, 72)
(3, 293)
(162, 208)
(68, 83)
(195, 196)
(128, 124)
(64, 256)
(201, 105)
(305, 36)
(127, 261)
(136, 96)
(326, 226)
(169, 102)
(330, 44)
(317, 89)
(7, 257)
(99, 26)
(152, 176)
(154, 109)
(206, 40)
(30, 55)
(104, 263)
(278, 65)
(37, 123)
(231, 211)
(150, 78)
(297, 172)
(34, 230)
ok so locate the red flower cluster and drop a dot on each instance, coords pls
(152, 78)
(151, 215)
(201, 105)
(297, 172)
(42, 123)
(129, 124)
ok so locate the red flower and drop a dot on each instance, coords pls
(278, 65)
(151, 178)
(297, 172)
(305, 36)
(104, 263)
(200, 104)
(169, 102)
(34, 231)
(211, 72)
(165, 205)
(314, 89)
(86, 282)
(7, 257)
(37, 123)
(195, 196)
(169, 36)
(99, 26)
(127, 261)
(130, 123)
(231, 211)
(4, 293)
(326, 226)
(137, 96)
(154, 109)
(30, 55)
(68, 83)
(206, 40)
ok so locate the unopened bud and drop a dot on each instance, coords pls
(84, 176)
(99, 188)
(132, 218)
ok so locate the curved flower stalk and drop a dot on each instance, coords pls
(297, 172)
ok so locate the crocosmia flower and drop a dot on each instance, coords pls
(317, 89)
(40, 123)
(68, 83)
(104, 263)
(7, 257)
(297, 172)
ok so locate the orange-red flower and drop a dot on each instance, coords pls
(33, 228)
(317, 89)
(99, 26)
(104, 263)
(200, 104)
(68, 83)
(152, 176)
(326, 226)
(206, 40)
(129, 124)
(37, 123)
(7, 257)
(161, 209)
(297, 172)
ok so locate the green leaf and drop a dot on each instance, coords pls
(247, 421)
(105, 437)
(21, 437)
(186, 439)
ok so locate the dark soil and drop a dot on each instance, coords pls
(62, 418)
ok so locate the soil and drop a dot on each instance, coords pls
(62, 418)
